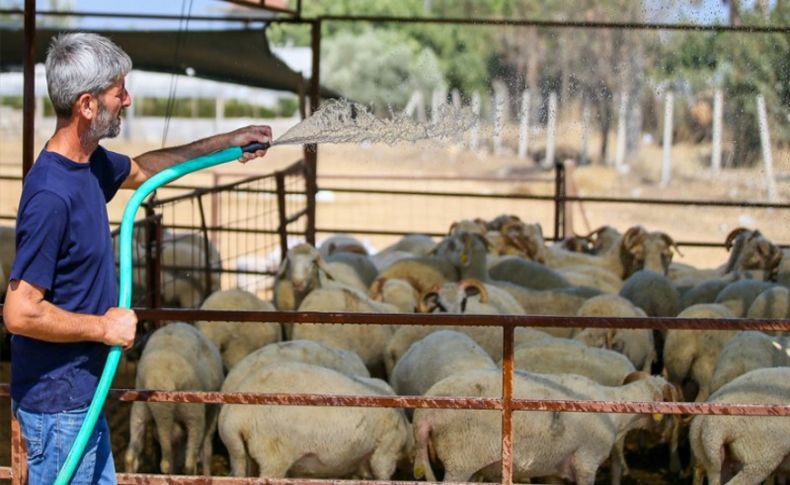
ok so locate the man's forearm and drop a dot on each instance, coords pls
(45, 321)
(157, 160)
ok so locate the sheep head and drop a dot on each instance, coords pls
(527, 238)
(301, 266)
(466, 251)
(475, 226)
(497, 223)
(640, 249)
(751, 250)
(452, 297)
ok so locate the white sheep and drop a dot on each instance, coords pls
(305, 351)
(177, 357)
(435, 357)
(755, 446)
(341, 243)
(748, 351)
(773, 303)
(636, 344)
(306, 441)
(237, 339)
(367, 341)
(603, 366)
(693, 353)
(395, 291)
(567, 445)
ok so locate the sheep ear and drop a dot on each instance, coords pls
(283, 269)
(321, 262)
(452, 227)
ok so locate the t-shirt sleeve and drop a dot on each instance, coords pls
(40, 228)
(111, 169)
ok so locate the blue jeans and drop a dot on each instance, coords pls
(49, 437)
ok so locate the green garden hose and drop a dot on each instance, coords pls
(125, 287)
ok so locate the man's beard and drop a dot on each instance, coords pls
(105, 125)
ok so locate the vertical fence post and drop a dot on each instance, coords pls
(507, 405)
(311, 151)
(715, 157)
(282, 229)
(18, 454)
(619, 158)
(765, 143)
(523, 126)
(206, 253)
(474, 140)
(559, 201)
(29, 87)
(666, 161)
(153, 256)
(551, 131)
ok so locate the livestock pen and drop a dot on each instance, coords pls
(256, 217)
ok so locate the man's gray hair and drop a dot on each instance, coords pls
(82, 63)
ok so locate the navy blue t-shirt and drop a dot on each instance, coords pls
(63, 245)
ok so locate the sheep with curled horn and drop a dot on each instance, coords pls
(751, 255)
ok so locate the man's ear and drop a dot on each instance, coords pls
(87, 106)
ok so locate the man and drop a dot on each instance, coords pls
(61, 299)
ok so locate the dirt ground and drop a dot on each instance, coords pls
(692, 179)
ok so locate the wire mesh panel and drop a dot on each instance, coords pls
(203, 240)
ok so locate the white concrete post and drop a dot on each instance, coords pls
(585, 130)
(219, 111)
(619, 159)
(765, 143)
(474, 140)
(523, 126)
(718, 105)
(666, 161)
(499, 119)
(438, 100)
(455, 95)
(551, 131)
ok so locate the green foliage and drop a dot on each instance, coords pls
(743, 65)
(378, 67)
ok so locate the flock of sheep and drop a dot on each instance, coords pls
(502, 266)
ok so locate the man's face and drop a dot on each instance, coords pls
(107, 123)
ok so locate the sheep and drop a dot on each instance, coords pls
(636, 344)
(739, 295)
(435, 357)
(177, 357)
(652, 292)
(457, 298)
(490, 339)
(638, 249)
(749, 250)
(423, 273)
(184, 280)
(773, 303)
(368, 341)
(306, 441)
(528, 274)
(754, 446)
(360, 263)
(237, 339)
(476, 226)
(568, 445)
(747, 351)
(467, 253)
(395, 291)
(341, 243)
(409, 246)
(693, 353)
(704, 292)
(603, 366)
(304, 270)
(305, 351)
